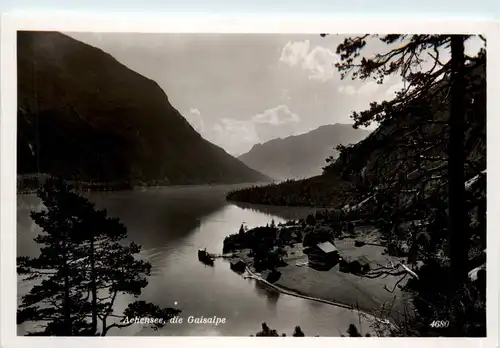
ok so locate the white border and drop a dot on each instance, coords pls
(199, 23)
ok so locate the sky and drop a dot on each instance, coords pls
(238, 90)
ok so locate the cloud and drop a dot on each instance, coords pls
(319, 61)
(230, 130)
(243, 134)
(195, 111)
(349, 90)
(473, 45)
(196, 120)
(285, 94)
(294, 53)
(391, 90)
(236, 135)
(277, 116)
(368, 88)
(241, 130)
(217, 128)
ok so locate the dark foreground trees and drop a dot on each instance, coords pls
(268, 332)
(83, 266)
(444, 77)
(427, 173)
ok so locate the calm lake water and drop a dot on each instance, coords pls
(171, 224)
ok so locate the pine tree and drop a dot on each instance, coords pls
(57, 301)
(311, 220)
(273, 224)
(406, 54)
(298, 332)
(352, 331)
(105, 268)
(422, 161)
(267, 332)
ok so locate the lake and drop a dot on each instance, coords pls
(171, 224)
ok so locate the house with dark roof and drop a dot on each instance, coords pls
(238, 265)
(322, 256)
(358, 265)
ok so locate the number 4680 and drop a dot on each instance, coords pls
(440, 324)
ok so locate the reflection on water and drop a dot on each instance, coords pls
(171, 224)
(268, 293)
(287, 213)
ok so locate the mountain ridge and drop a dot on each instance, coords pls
(94, 118)
(303, 155)
(366, 169)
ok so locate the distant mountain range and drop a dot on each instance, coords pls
(368, 169)
(301, 156)
(85, 116)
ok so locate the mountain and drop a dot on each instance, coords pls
(391, 162)
(83, 115)
(391, 150)
(301, 156)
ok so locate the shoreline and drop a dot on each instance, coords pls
(104, 187)
(365, 295)
(291, 292)
(245, 205)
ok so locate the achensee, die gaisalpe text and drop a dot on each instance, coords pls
(176, 320)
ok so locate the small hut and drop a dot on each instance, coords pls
(323, 255)
(238, 265)
(358, 265)
(364, 264)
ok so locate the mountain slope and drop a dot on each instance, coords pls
(371, 167)
(303, 155)
(84, 115)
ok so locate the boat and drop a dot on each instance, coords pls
(205, 257)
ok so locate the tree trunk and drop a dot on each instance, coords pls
(458, 222)
(93, 285)
(104, 328)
